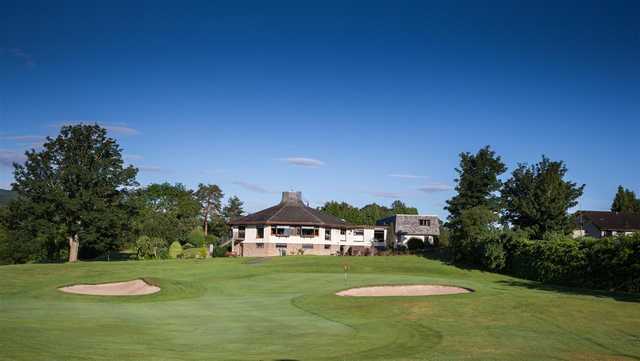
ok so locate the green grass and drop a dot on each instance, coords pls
(285, 308)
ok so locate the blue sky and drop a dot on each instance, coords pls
(355, 101)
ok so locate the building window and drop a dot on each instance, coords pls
(259, 245)
(378, 235)
(310, 232)
(327, 234)
(241, 231)
(281, 245)
(423, 222)
(343, 231)
(259, 232)
(358, 232)
(327, 246)
(307, 246)
(280, 231)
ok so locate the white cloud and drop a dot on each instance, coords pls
(435, 187)
(408, 176)
(304, 162)
(8, 157)
(252, 187)
(24, 138)
(383, 194)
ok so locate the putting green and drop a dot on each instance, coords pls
(286, 308)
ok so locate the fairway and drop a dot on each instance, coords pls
(285, 308)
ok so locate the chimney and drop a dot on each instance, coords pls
(291, 197)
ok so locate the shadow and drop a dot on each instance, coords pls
(533, 285)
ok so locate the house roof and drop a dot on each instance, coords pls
(291, 210)
(612, 221)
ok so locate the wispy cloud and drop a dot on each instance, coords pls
(24, 138)
(8, 157)
(252, 187)
(152, 169)
(383, 194)
(304, 162)
(435, 188)
(130, 157)
(408, 176)
(115, 128)
(24, 57)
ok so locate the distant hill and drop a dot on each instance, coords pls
(6, 196)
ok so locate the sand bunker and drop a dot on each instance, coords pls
(129, 288)
(402, 290)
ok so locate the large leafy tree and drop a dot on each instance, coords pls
(477, 183)
(537, 198)
(476, 205)
(398, 207)
(625, 201)
(168, 212)
(344, 211)
(210, 198)
(75, 188)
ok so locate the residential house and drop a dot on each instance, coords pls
(403, 227)
(600, 224)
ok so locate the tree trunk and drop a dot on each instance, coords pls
(73, 248)
(206, 218)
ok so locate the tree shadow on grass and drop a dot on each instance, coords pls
(532, 285)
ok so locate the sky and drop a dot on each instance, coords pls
(352, 101)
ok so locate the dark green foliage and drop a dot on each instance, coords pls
(625, 201)
(6, 196)
(196, 237)
(475, 226)
(233, 209)
(368, 214)
(494, 257)
(75, 186)
(169, 212)
(415, 244)
(210, 198)
(477, 183)
(536, 198)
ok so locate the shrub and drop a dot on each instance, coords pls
(196, 237)
(220, 251)
(175, 250)
(151, 247)
(414, 244)
(493, 256)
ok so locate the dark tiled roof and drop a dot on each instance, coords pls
(291, 210)
(612, 221)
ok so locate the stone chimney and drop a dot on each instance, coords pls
(291, 197)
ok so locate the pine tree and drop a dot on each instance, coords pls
(233, 209)
(625, 201)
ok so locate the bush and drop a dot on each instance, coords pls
(151, 247)
(493, 256)
(220, 251)
(414, 244)
(196, 237)
(175, 250)
(199, 252)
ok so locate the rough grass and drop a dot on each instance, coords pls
(285, 308)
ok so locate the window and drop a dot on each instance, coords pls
(259, 245)
(327, 246)
(307, 246)
(343, 231)
(280, 231)
(327, 234)
(425, 222)
(358, 232)
(281, 245)
(310, 232)
(241, 230)
(259, 232)
(378, 235)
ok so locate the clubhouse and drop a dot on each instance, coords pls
(291, 227)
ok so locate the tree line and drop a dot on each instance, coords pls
(367, 215)
(522, 226)
(76, 198)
